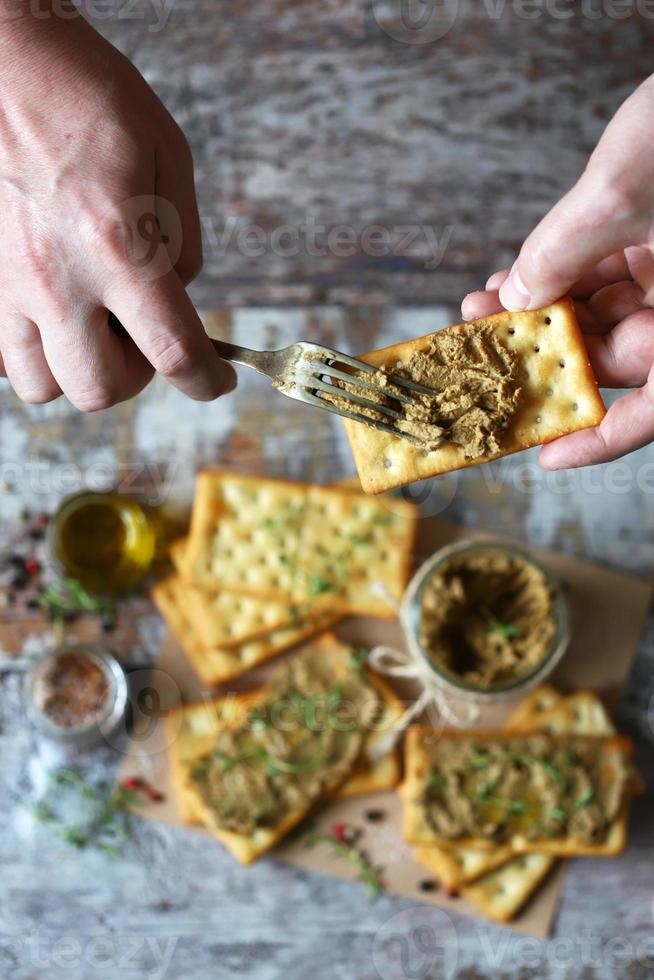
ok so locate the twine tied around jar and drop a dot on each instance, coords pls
(405, 665)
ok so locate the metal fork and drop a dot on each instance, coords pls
(303, 370)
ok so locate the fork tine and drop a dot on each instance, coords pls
(305, 396)
(395, 379)
(350, 396)
(357, 382)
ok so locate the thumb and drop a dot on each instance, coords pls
(586, 225)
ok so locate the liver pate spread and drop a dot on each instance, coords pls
(305, 735)
(536, 786)
(487, 617)
(476, 391)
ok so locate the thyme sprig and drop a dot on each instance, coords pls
(67, 597)
(107, 825)
(345, 841)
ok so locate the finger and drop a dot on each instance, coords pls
(3, 372)
(479, 304)
(628, 425)
(25, 362)
(641, 266)
(93, 367)
(496, 280)
(162, 322)
(608, 271)
(175, 183)
(622, 358)
(586, 318)
(584, 227)
(612, 304)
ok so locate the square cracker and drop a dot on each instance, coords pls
(502, 893)
(215, 665)
(192, 729)
(247, 848)
(329, 546)
(559, 395)
(542, 710)
(543, 698)
(416, 830)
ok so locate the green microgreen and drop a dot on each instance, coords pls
(586, 797)
(499, 628)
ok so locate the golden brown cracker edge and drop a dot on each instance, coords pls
(216, 665)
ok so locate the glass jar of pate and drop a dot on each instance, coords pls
(485, 621)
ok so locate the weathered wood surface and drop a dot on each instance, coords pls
(306, 111)
(311, 113)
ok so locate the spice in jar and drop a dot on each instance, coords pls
(72, 692)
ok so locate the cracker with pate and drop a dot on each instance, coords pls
(522, 379)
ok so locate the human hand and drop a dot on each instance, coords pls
(98, 214)
(597, 244)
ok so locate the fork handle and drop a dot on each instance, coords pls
(240, 355)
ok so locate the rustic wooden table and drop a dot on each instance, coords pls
(307, 116)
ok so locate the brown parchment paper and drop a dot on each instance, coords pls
(608, 613)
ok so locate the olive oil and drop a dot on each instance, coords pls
(103, 540)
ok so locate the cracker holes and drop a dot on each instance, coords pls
(575, 406)
(511, 331)
(549, 392)
(561, 363)
(536, 349)
(388, 463)
(539, 419)
(547, 321)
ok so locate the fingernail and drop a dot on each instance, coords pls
(513, 293)
(463, 312)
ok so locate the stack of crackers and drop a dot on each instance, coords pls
(269, 563)
(193, 729)
(500, 879)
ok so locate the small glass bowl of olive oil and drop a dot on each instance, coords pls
(103, 540)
